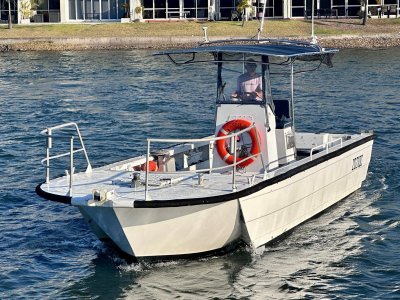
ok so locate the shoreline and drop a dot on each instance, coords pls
(136, 43)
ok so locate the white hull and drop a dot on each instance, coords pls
(169, 231)
(256, 218)
(280, 207)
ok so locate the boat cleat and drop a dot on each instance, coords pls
(101, 196)
(136, 182)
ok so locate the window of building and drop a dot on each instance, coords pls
(198, 9)
(96, 9)
(166, 9)
(226, 9)
(4, 11)
(298, 8)
(273, 8)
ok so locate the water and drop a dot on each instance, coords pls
(47, 251)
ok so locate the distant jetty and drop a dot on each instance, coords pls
(116, 43)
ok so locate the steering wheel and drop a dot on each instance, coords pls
(248, 96)
(243, 96)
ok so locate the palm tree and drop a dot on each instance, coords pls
(241, 9)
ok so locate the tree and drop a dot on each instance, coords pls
(241, 9)
(365, 14)
(26, 8)
(9, 15)
(125, 6)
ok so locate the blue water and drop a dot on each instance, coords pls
(118, 98)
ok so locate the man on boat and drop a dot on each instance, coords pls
(249, 85)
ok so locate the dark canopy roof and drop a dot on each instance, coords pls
(273, 48)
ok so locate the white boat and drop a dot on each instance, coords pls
(254, 179)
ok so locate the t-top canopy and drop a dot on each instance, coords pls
(270, 47)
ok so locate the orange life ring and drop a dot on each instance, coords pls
(237, 124)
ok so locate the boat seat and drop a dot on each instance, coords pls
(282, 114)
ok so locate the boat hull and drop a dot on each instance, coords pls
(161, 230)
(256, 213)
(276, 209)
(167, 231)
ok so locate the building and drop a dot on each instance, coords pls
(68, 11)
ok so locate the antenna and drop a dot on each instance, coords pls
(262, 20)
(313, 37)
(205, 34)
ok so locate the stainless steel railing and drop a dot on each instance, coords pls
(326, 146)
(211, 140)
(48, 132)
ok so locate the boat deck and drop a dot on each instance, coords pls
(161, 186)
(114, 185)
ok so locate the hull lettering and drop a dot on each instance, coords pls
(357, 162)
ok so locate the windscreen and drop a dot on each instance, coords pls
(243, 78)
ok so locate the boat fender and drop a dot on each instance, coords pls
(227, 128)
(153, 167)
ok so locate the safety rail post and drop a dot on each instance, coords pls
(71, 169)
(211, 146)
(48, 147)
(146, 187)
(89, 167)
(234, 163)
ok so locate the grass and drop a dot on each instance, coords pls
(272, 28)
